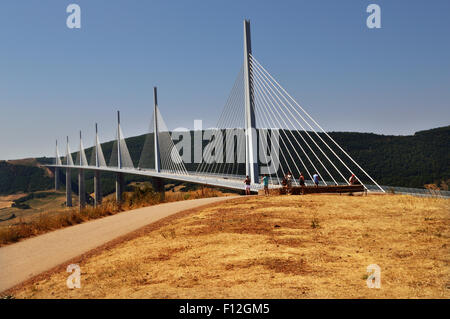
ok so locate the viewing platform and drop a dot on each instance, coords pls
(299, 190)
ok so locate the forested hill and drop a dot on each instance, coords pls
(410, 161)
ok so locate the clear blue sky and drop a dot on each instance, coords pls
(55, 81)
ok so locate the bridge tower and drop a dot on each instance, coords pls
(158, 183)
(97, 184)
(155, 130)
(251, 145)
(68, 177)
(119, 176)
(57, 162)
(81, 181)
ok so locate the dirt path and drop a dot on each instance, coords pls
(26, 259)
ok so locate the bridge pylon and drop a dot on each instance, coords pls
(68, 176)
(97, 184)
(119, 176)
(57, 162)
(156, 130)
(251, 145)
(81, 180)
(119, 153)
(157, 183)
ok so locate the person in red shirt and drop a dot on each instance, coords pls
(302, 179)
(247, 183)
(352, 180)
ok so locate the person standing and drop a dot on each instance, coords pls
(302, 180)
(316, 179)
(247, 183)
(352, 180)
(265, 180)
(289, 179)
(289, 183)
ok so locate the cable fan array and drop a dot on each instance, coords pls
(224, 152)
(122, 149)
(97, 157)
(170, 158)
(302, 149)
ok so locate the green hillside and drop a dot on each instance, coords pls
(23, 176)
(409, 161)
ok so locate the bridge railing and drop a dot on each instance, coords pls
(411, 191)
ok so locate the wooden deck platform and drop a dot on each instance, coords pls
(297, 190)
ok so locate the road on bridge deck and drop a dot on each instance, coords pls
(28, 258)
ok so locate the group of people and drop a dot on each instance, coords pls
(288, 178)
(264, 180)
(287, 182)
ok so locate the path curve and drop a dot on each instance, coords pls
(28, 258)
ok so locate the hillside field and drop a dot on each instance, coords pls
(50, 203)
(311, 246)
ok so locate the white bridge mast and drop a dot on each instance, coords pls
(251, 145)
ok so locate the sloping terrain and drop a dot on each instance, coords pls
(311, 246)
(28, 258)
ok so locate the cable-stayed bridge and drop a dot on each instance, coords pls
(262, 130)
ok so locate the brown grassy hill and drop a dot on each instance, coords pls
(313, 246)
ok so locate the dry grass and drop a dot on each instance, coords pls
(51, 219)
(52, 204)
(7, 200)
(277, 247)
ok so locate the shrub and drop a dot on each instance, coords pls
(315, 223)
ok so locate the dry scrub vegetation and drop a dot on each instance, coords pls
(312, 246)
(53, 219)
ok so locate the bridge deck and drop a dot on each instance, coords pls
(228, 183)
(236, 183)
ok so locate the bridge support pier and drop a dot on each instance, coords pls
(97, 189)
(158, 186)
(81, 189)
(56, 178)
(68, 188)
(119, 187)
